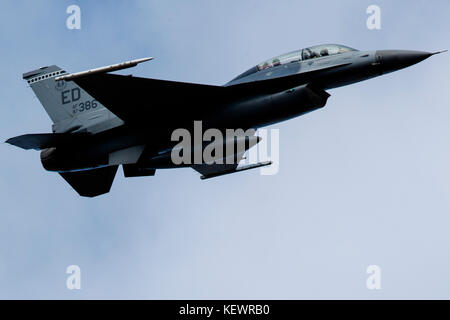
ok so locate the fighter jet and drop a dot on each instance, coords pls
(103, 120)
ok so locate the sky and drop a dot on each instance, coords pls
(364, 181)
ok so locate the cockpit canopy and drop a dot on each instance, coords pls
(305, 54)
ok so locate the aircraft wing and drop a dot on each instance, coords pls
(135, 99)
(151, 101)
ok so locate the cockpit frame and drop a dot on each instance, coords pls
(318, 51)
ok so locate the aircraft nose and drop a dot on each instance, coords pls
(392, 60)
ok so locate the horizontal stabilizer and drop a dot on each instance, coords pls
(39, 141)
(91, 183)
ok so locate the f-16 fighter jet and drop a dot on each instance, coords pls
(103, 120)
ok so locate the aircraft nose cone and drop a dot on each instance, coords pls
(392, 60)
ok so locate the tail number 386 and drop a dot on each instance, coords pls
(84, 106)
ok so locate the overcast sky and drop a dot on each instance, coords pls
(363, 181)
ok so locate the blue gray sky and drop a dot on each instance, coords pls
(363, 181)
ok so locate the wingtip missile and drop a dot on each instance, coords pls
(110, 68)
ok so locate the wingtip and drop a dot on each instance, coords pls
(105, 69)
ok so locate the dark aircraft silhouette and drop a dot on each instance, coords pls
(102, 120)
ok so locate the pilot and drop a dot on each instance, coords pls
(324, 52)
(306, 54)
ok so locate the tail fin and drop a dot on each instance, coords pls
(70, 107)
